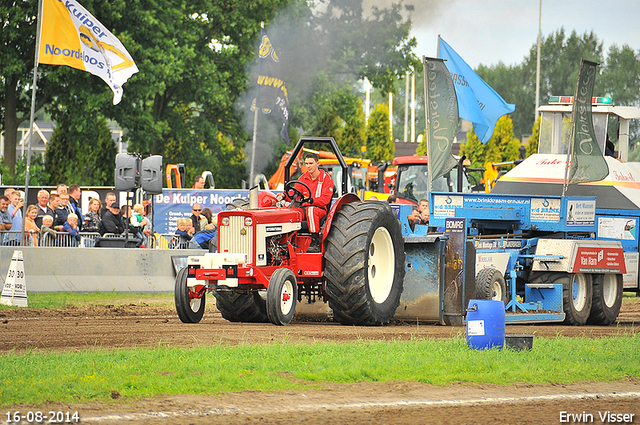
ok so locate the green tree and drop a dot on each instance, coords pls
(89, 163)
(353, 135)
(81, 149)
(17, 50)
(559, 65)
(621, 75)
(402, 98)
(377, 47)
(502, 146)
(37, 173)
(532, 146)
(192, 57)
(326, 51)
(473, 149)
(339, 114)
(503, 138)
(507, 81)
(422, 146)
(379, 144)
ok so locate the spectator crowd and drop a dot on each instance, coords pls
(57, 220)
(58, 213)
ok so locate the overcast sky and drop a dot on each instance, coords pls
(489, 31)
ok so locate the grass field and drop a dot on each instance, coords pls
(65, 299)
(35, 377)
(77, 376)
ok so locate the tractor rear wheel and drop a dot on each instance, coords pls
(189, 304)
(576, 294)
(490, 285)
(282, 296)
(607, 299)
(238, 306)
(364, 263)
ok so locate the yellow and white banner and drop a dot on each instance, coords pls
(71, 36)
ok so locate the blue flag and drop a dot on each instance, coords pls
(477, 101)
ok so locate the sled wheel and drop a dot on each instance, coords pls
(364, 263)
(236, 306)
(282, 297)
(607, 299)
(490, 285)
(576, 294)
(189, 304)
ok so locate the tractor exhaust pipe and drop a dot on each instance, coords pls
(253, 197)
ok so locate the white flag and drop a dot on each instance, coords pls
(71, 36)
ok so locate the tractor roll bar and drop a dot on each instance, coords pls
(325, 140)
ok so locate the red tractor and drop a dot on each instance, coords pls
(263, 267)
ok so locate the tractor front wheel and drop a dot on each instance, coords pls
(189, 304)
(282, 297)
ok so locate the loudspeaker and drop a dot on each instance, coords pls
(151, 174)
(127, 172)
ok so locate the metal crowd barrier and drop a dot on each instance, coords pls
(89, 239)
(171, 241)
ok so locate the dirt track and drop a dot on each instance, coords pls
(145, 324)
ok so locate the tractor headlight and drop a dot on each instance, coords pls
(248, 221)
(225, 221)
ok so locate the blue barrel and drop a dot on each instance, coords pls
(485, 324)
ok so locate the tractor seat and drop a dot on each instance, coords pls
(304, 227)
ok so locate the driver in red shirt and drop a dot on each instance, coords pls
(321, 185)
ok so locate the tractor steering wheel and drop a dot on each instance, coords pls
(296, 195)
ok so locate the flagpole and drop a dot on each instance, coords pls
(413, 105)
(572, 135)
(252, 168)
(253, 147)
(426, 125)
(31, 120)
(426, 120)
(538, 61)
(566, 167)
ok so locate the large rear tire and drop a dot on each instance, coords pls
(607, 299)
(364, 263)
(238, 306)
(282, 297)
(189, 304)
(490, 285)
(576, 294)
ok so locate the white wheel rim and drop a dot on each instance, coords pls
(579, 291)
(381, 267)
(609, 289)
(286, 297)
(496, 290)
(194, 304)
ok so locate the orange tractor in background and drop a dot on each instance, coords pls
(362, 175)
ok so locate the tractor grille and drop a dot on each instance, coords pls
(234, 240)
